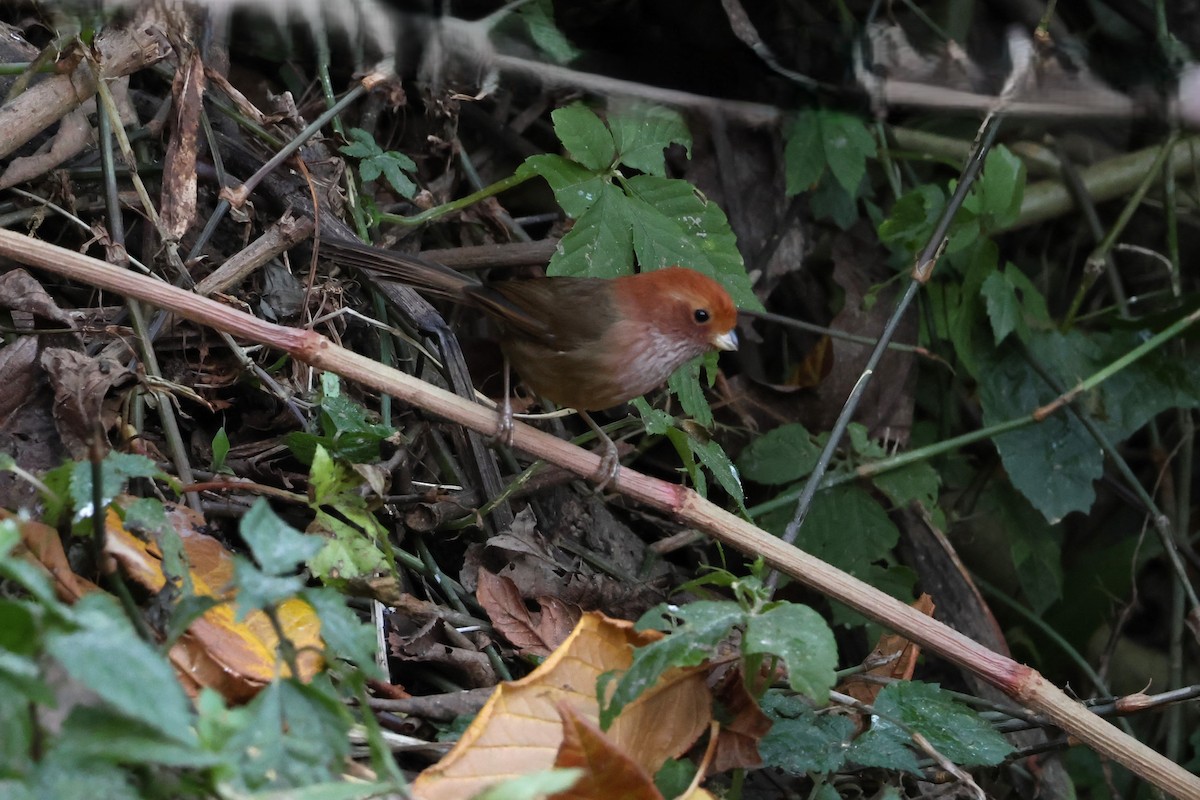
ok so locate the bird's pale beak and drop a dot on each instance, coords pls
(726, 341)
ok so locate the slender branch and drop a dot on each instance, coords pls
(1019, 682)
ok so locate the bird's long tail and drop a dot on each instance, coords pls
(425, 276)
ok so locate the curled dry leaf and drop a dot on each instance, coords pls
(537, 633)
(520, 729)
(217, 651)
(235, 658)
(607, 771)
(894, 658)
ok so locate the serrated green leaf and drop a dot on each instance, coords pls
(969, 330)
(106, 656)
(585, 136)
(575, 187)
(912, 219)
(1003, 308)
(539, 19)
(342, 631)
(803, 154)
(91, 733)
(684, 383)
(348, 555)
(847, 145)
(674, 225)
(705, 624)
(21, 676)
(800, 740)
(258, 590)
(600, 244)
(829, 201)
(116, 470)
(918, 481)
(1000, 188)
(849, 529)
(802, 639)
(719, 465)
(954, 730)
(884, 746)
(295, 735)
(362, 144)
(1055, 462)
(656, 421)
(276, 546)
(62, 777)
(781, 455)
(394, 166)
(642, 132)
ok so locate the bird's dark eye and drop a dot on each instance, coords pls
(701, 315)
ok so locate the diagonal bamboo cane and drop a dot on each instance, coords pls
(1022, 683)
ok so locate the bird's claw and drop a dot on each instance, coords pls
(504, 424)
(610, 465)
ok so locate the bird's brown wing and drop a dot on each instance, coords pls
(563, 314)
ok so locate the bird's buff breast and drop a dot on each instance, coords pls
(629, 361)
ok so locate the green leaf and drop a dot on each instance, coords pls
(585, 136)
(912, 219)
(17, 732)
(802, 639)
(719, 465)
(276, 546)
(93, 733)
(847, 144)
(20, 676)
(917, 481)
(394, 167)
(998, 193)
(347, 429)
(803, 153)
(642, 132)
(705, 624)
(353, 551)
(1034, 545)
(62, 777)
(116, 470)
(954, 730)
(849, 529)
(1014, 304)
(296, 735)
(1055, 462)
(1004, 310)
(674, 225)
(18, 629)
(575, 187)
(684, 383)
(220, 449)
(969, 330)
(600, 244)
(829, 201)
(539, 19)
(656, 421)
(674, 777)
(376, 161)
(533, 786)
(258, 590)
(342, 631)
(781, 455)
(800, 740)
(361, 144)
(106, 656)
(884, 746)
